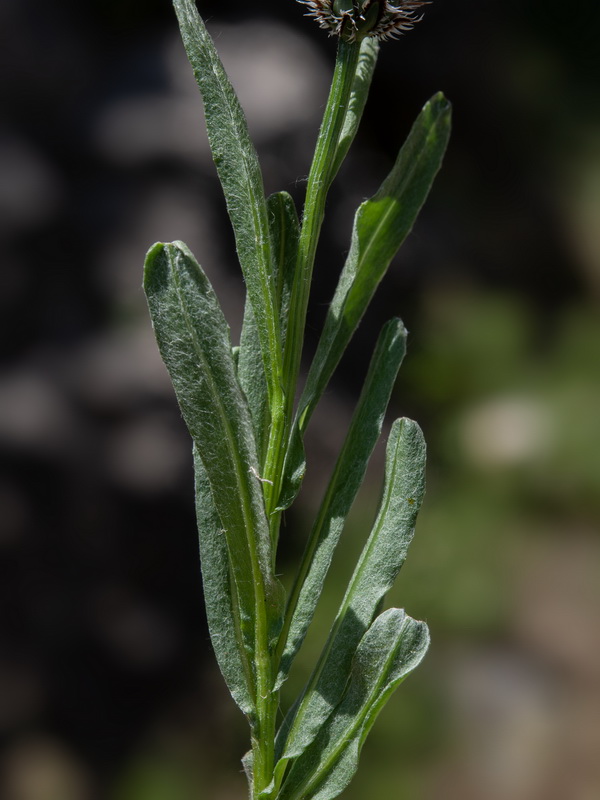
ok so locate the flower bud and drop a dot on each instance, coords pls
(352, 20)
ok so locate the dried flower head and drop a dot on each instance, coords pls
(355, 19)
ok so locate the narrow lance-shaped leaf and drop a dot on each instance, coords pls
(380, 226)
(369, 50)
(220, 597)
(345, 482)
(193, 338)
(241, 178)
(380, 561)
(391, 648)
(284, 227)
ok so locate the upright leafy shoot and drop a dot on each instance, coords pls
(238, 403)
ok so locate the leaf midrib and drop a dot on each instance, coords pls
(258, 225)
(325, 767)
(395, 196)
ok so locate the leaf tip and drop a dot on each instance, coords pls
(440, 107)
(152, 264)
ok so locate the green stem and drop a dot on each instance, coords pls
(322, 173)
(263, 727)
(263, 732)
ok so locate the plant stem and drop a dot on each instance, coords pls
(263, 733)
(322, 173)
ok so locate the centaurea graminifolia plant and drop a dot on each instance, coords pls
(238, 403)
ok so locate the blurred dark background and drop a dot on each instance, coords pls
(108, 687)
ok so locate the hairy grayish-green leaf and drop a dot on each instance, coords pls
(285, 230)
(390, 649)
(239, 172)
(220, 597)
(345, 482)
(380, 226)
(193, 338)
(379, 563)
